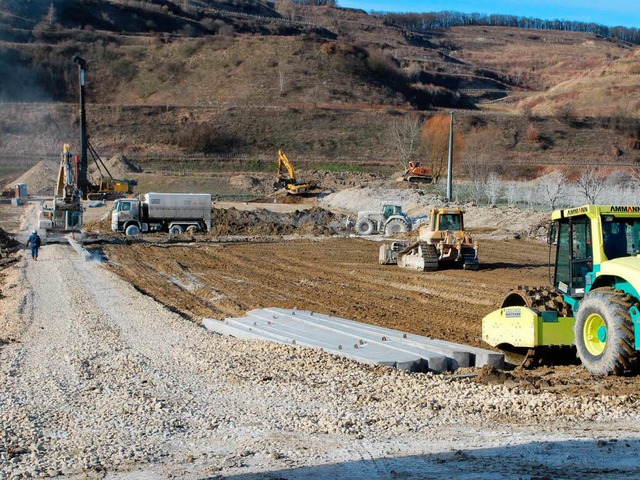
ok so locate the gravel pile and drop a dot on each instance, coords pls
(105, 379)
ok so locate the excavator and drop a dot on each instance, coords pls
(288, 181)
(416, 173)
(443, 241)
(592, 307)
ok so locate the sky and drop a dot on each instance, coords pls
(604, 12)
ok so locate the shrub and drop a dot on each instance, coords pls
(533, 135)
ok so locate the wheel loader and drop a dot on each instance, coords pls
(592, 307)
(442, 241)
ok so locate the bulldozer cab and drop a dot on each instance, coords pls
(446, 220)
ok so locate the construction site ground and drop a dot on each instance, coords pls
(107, 373)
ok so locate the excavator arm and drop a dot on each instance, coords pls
(284, 161)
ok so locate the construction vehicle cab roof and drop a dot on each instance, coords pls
(593, 211)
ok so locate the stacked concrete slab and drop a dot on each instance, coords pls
(362, 342)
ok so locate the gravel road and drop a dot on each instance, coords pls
(98, 380)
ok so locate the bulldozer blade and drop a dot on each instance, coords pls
(387, 255)
(419, 256)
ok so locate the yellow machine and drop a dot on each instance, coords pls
(288, 181)
(110, 188)
(592, 307)
(443, 241)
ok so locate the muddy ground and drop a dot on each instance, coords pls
(341, 276)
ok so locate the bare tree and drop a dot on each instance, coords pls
(281, 82)
(51, 13)
(551, 188)
(405, 136)
(481, 153)
(591, 184)
(513, 193)
(493, 188)
(476, 190)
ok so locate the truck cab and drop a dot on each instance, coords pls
(126, 213)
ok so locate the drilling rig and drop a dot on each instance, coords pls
(72, 184)
(72, 181)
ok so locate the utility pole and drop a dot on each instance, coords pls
(450, 162)
(82, 180)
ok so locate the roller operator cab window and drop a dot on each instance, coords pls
(620, 236)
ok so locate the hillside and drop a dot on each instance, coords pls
(167, 79)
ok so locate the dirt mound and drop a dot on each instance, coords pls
(340, 180)
(40, 179)
(7, 244)
(247, 182)
(374, 197)
(119, 166)
(102, 225)
(316, 221)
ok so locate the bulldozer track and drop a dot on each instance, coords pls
(430, 256)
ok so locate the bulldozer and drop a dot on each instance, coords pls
(443, 241)
(591, 308)
(416, 173)
(288, 181)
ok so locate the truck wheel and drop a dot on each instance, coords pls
(364, 227)
(191, 229)
(176, 230)
(604, 333)
(394, 226)
(132, 231)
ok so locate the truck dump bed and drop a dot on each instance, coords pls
(179, 206)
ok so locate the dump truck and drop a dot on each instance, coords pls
(162, 212)
(591, 308)
(442, 241)
(389, 221)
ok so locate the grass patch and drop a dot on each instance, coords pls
(338, 167)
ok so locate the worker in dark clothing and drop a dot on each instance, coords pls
(34, 242)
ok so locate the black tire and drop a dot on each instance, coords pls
(176, 230)
(395, 225)
(132, 231)
(365, 227)
(604, 333)
(191, 229)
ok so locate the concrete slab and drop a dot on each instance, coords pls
(359, 341)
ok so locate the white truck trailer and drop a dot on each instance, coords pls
(162, 212)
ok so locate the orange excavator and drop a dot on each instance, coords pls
(416, 173)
